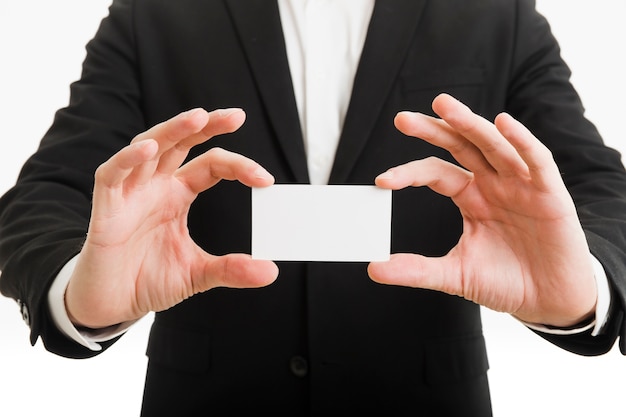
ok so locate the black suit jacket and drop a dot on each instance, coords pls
(323, 338)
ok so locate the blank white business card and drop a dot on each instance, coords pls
(334, 223)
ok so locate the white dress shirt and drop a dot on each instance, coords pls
(324, 40)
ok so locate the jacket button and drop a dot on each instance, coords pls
(299, 366)
(25, 313)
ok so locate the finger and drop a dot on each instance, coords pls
(176, 129)
(417, 271)
(179, 134)
(441, 176)
(111, 177)
(168, 134)
(497, 151)
(235, 271)
(438, 133)
(120, 166)
(219, 122)
(541, 165)
(206, 170)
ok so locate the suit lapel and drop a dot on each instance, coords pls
(389, 35)
(260, 31)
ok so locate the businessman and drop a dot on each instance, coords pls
(505, 197)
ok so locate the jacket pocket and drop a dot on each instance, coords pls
(443, 79)
(455, 360)
(179, 349)
(418, 89)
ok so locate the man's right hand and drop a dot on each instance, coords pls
(138, 256)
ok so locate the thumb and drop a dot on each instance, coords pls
(416, 271)
(235, 271)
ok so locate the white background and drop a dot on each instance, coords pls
(41, 49)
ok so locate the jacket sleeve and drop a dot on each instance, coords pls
(541, 97)
(45, 216)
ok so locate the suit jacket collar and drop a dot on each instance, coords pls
(260, 31)
(389, 35)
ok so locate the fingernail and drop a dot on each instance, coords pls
(228, 112)
(261, 172)
(192, 111)
(387, 175)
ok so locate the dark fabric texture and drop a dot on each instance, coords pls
(323, 339)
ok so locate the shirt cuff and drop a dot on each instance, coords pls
(88, 338)
(602, 308)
